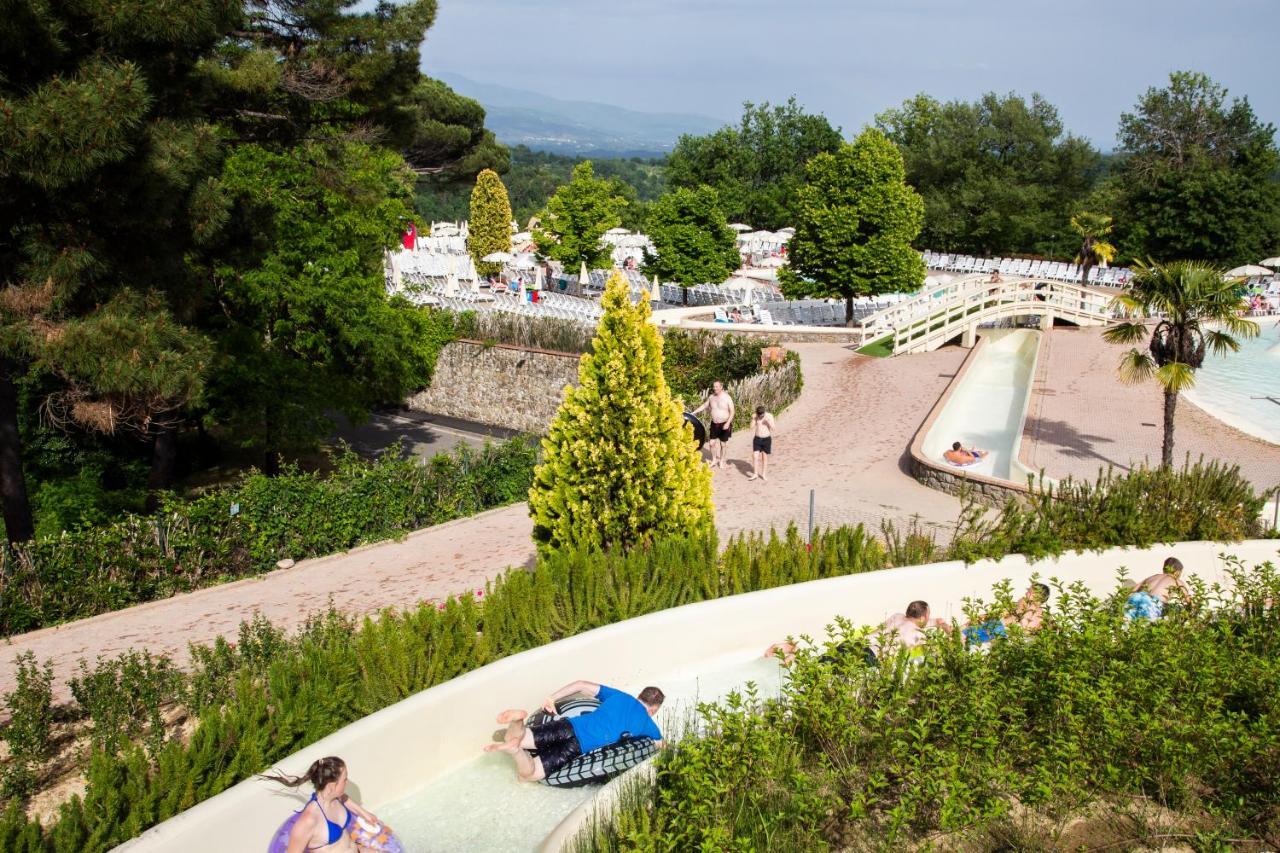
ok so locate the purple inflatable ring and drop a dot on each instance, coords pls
(381, 839)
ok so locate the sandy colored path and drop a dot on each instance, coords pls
(845, 437)
(1082, 418)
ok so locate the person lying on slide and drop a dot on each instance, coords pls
(1152, 595)
(1028, 613)
(958, 455)
(562, 740)
(900, 631)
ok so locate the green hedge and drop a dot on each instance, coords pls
(1093, 733)
(268, 696)
(243, 531)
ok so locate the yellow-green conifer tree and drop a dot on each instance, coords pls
(490, 228)
(619, 465)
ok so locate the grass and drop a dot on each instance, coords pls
(881, 348)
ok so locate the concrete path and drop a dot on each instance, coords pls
(845, 438)
(1082, 418)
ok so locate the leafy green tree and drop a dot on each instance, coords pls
(576, 218)
(1197, 310)
(1093, 229)
(693, 241)
(619, 465)
(106, 185)
(757, 166)
(857, 218)
(306, 327)
(490, 228)
(1200, 176)
(999, 176)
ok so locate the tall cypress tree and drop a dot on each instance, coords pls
(490, 228)
(619, 464)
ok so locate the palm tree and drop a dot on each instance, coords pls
(1094, 250)
(1196, 310)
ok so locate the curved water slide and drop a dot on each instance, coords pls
(418, 764)
(959, 307)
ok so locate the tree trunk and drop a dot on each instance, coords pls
(848, 310)
(1084, 271)
(1166, 449)
(18, 524)
(164, 464)
(270, 454)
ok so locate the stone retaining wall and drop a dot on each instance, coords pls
(496, 384)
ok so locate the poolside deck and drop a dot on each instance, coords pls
(1083, 418)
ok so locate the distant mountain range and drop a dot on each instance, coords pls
(544, 123)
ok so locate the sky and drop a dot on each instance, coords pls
(851, 59)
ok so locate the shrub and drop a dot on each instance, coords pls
(619, 465)
(1205, 501)
(549, 333)
(1182, 714)
(244, 530)
(269, 696)
(30, 709)
(125, 698)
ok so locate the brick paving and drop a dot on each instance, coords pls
(1082, 418)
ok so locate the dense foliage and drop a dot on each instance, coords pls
(1199, 178)
(1093, 732)
(534, 176)
(998, 176)
(244, 530)
(854, 226)
(163, 169)
(692, 241)
(619, 465)
(691, 361)
(574, 221)
(757, 166)
(267, 695)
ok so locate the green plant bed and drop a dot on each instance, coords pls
(1092, 733)
(882, 348)
(236, 532)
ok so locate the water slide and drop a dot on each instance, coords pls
(419, 765)
(987, 407)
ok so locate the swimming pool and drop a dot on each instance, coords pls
(1234, 388)
(987, 407)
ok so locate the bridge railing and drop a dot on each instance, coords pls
(972, 304)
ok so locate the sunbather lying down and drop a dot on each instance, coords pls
(901, 631)
(961, 457)
(1028, 614)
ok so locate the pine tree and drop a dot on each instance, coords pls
(490, 229)
(619, 464)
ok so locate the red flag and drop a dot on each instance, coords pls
(410, 237)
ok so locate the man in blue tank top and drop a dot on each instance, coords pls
(562, 739)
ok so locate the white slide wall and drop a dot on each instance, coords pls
(395, 751)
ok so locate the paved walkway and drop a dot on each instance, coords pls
(1082, 418)
(845, 438)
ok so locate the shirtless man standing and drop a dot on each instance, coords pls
(720, 405)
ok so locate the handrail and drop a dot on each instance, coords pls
(935, 316)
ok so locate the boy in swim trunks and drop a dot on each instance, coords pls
(562, 740)
(957, 455)
(1154, 594)
(762, 429)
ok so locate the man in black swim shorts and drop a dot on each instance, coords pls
(720, 407)
(762, 429)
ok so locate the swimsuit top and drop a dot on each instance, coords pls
(334, 830)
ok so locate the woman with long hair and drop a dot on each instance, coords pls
(330, 821)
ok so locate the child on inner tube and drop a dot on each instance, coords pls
(562, 740)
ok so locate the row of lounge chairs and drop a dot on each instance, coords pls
(1054, 270)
